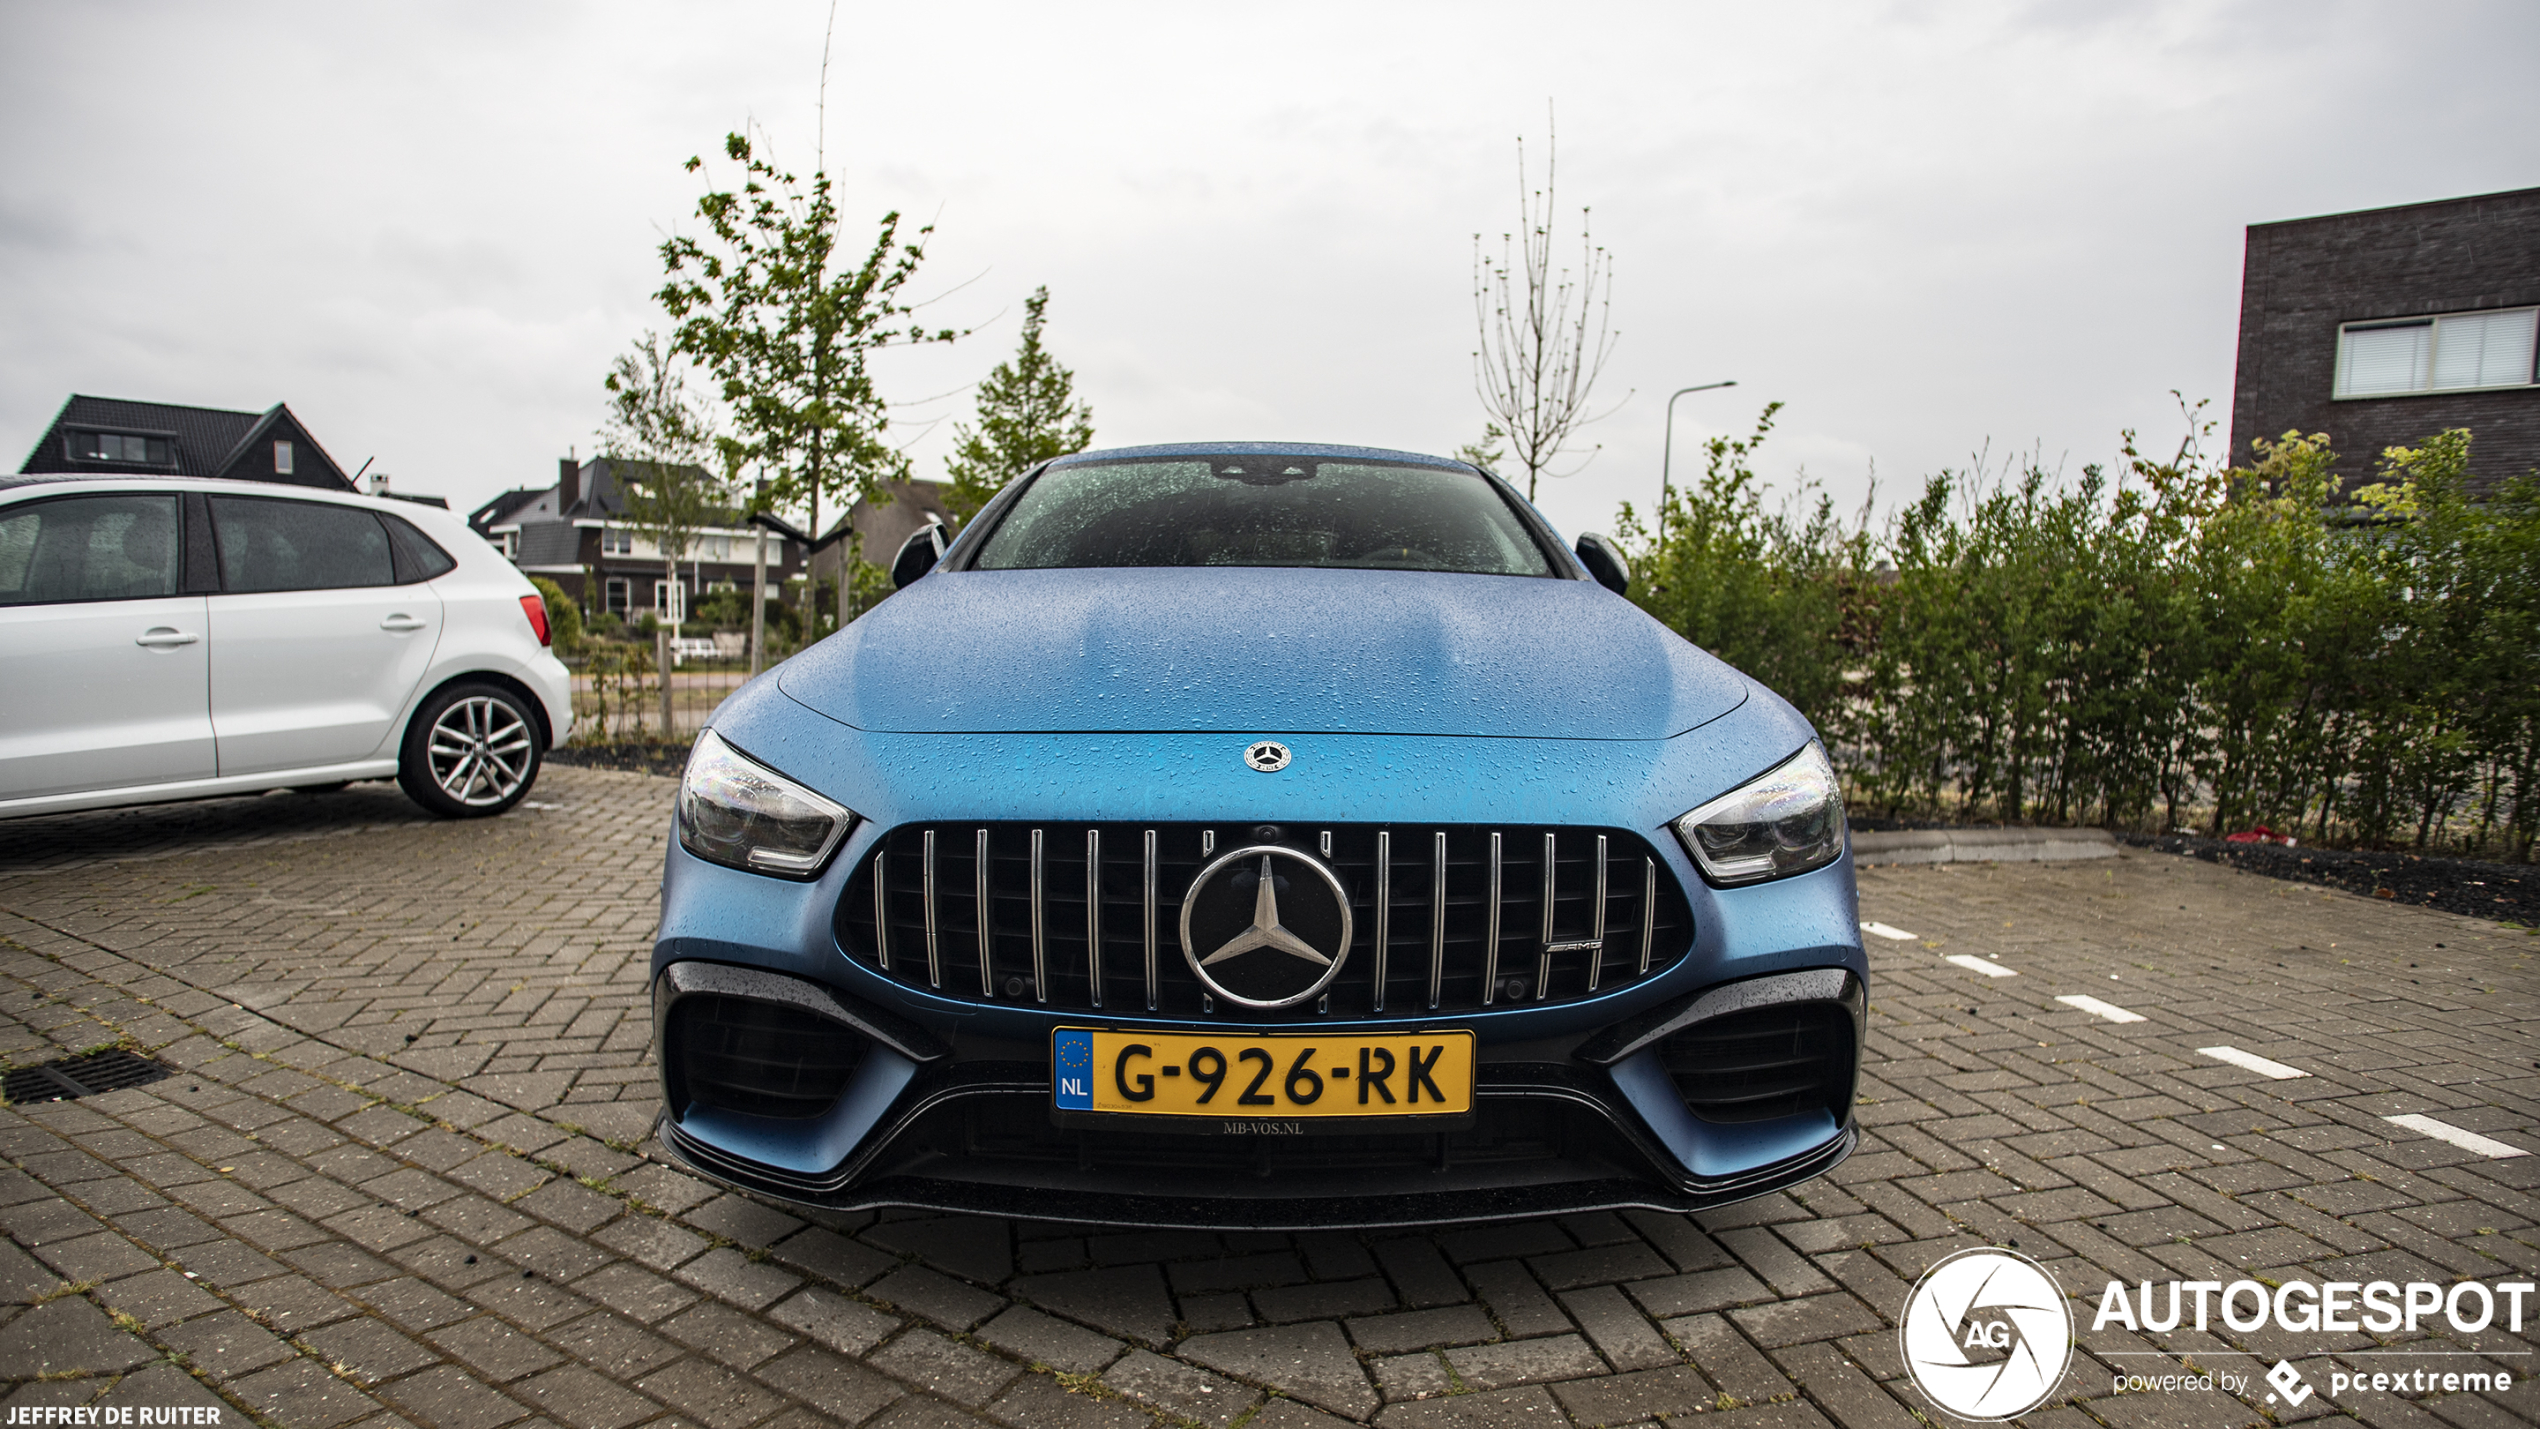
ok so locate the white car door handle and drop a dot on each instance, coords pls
(162, 637)
(401, 623)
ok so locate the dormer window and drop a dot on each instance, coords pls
(119, 447)
(282, 458)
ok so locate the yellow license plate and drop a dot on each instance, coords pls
(1241, 1078)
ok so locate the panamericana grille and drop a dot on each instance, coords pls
(763, 1058)
(1087, 917)
(1764, 1063)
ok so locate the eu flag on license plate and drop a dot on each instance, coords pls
(1072, 1068)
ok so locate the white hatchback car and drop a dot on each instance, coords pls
(177, 638)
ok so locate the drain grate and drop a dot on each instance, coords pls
(108, 1071)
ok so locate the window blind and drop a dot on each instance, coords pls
(2484, 349)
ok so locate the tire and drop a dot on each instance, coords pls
(471, 752)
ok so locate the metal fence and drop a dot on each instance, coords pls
(618, 692)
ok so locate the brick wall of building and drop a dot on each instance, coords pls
(2304, 277)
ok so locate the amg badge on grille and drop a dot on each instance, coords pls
(1266, 926)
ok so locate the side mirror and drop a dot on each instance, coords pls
(1605, 562)
(918, 555)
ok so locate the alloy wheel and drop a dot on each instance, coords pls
(480, 751)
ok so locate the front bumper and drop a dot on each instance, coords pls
(1573, 1125)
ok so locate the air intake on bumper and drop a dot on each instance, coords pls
(1764, 1063)
(762, 1058)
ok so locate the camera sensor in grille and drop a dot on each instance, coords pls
(763, 1058)
(1764, 1063)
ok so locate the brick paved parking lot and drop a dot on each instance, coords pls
(403, 1176)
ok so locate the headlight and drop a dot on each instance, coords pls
(1788, 821)
(735, 811)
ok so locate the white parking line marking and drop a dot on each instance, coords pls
(1975, 964)
(2465, 1140)
(2104, 1011)
(2251, 1061)
(1884, 931)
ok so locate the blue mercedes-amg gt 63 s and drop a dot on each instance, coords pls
(1258, 835)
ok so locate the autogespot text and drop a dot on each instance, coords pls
(2378, 1307)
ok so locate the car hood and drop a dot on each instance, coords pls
(1264, 651)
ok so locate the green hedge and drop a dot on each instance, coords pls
(2177, 644)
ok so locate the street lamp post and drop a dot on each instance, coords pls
(1667, 454)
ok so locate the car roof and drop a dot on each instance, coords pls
(1212, 449)
(17, 481)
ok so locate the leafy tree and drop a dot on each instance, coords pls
(1767, 591)
(659, 440)
(1028, 413)
(1486, 453)
(789, 327)
(564, 618)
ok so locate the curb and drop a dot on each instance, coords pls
(1983, 845)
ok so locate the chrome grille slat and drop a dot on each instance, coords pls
(1648, 896)
(987, 945)
(1437, 920)
(882, 910)
(1384, 908)
(1040, 936)
(1504, 924)
(1551, 888)
(1596, 964)
(1150, 914)
(1093, 909)
(934, 954)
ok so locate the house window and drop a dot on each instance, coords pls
(617, 596)
(508, 542)
(282, 458)
(2456, 352)
(616, 541)
(670, 601)
(115, 446)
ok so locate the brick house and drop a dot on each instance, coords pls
(109, 436)
(576, 534)
(873, 530)
(2386, 326)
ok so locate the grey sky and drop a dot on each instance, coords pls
(1924, 227)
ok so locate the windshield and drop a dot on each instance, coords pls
(1255, 510)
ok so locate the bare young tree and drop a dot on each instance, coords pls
(1544, 330)
(661, 442)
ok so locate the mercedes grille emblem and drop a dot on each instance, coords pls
(1268, 755)
(1266, 926)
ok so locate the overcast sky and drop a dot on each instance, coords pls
(1924, 227)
